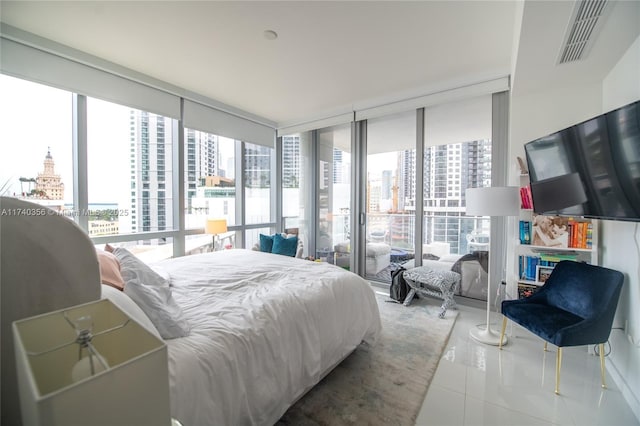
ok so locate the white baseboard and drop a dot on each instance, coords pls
(628, 395)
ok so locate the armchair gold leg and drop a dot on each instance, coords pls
(601, 347)
(545, 346)
(504, 327)
(558, 364)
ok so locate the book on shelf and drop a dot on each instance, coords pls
(581, 232)
(562, 232)
(525, 232)
(528, 266)
(526, 200)
(557, 257)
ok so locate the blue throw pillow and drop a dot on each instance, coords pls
(266, 243)
(285, 246)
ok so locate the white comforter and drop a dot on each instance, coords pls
(265, 328)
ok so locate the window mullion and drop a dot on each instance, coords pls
(80, 177)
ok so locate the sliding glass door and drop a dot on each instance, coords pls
(297, 172)
(390, 207)
(457, 156)
(334, 195)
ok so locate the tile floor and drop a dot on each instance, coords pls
(477, 384)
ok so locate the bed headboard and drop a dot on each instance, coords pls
(46, 263)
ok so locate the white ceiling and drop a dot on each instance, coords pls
(330, 57)
(542, 32)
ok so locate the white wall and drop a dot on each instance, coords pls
(537, 114)
(621, 246)
(534, 115)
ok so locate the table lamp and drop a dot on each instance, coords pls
(491, 201)
(90, 364)
(215, 227)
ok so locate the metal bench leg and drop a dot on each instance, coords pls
(448, 303)
(409, 298)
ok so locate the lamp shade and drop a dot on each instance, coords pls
(216, 226)
(133, 389)
(493, 201)
(557, 193)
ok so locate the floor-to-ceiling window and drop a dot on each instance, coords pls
(128, 182)
(333, 202)
(210, 187)
(257, 189)
(257, 183)
(390, 206)
(296, 184)
(130, 173)
(457, 156)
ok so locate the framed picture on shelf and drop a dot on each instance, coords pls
(550, 231)
(543, 273)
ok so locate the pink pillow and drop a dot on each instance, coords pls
(110, 270)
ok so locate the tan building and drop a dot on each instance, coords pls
(103, 227)
(48, 184)
(220, 181)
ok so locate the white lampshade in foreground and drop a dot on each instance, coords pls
(491, 201)
(133, 390)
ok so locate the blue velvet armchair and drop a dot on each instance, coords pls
(575, 307)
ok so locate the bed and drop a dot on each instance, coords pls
(263, 328)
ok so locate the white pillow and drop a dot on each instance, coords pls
(129, 307)
(132, 268)
(159, 305)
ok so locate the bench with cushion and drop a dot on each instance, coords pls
(432, 282)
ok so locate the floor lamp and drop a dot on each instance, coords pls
(491, 201)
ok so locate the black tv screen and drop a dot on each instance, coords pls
(605, 152)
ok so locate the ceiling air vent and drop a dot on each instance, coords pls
(586, 20)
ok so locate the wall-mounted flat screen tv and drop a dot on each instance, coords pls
(605, 153)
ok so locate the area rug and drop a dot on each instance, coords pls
(384, 384)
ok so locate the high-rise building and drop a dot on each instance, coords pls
(386, 185)
(201, 160)
(291, 161)
(406, 179)
(338, 171)
(49, 185)
(448, 171)
(151, 171)
(257, 166)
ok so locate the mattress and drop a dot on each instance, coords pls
(265, 328)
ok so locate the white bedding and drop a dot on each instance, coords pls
(265, 328)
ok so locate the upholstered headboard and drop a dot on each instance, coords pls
(46, 263)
